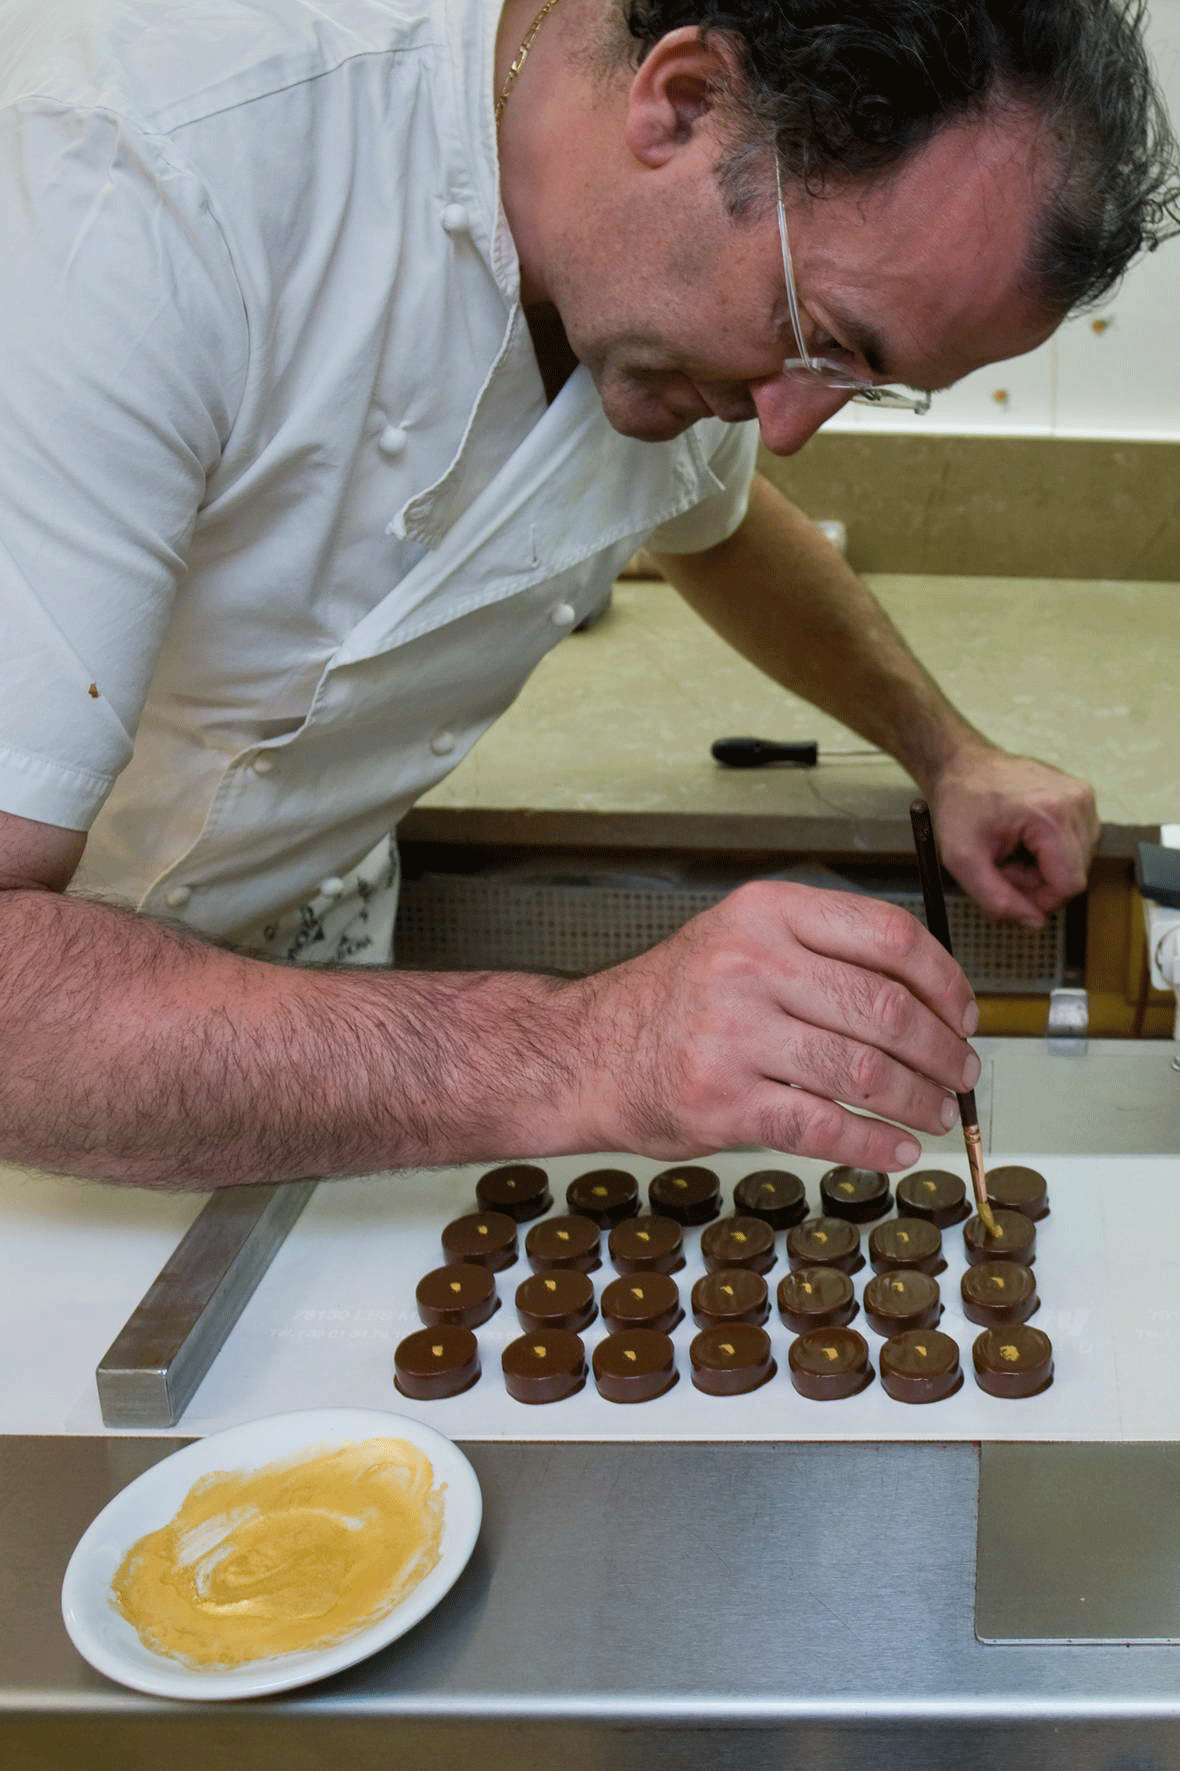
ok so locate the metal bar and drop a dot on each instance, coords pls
(148, 1375)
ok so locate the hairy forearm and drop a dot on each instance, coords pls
(129, 1051)
(787, 601)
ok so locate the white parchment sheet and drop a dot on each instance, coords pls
(321, 1329)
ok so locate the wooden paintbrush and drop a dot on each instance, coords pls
(936, 921)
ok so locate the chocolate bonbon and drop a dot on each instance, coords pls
(738, 1242)
(895, 1302)
(995, 1293)
(825, 1242)
(1015, 1239)
(435, 1362)
(858, 1194)
(564, 1242)
(775, 1195)
(730, 1361)
(732, 1295)
(647, 1244)
(934, 1194)
(634, 1365)
(642, 1300)
(518, 1188)
(485, 1238)
(461, 1296)
(690, 1195)
(921, 1365)
(1013, 1362)
(1016, 1188)
(556, 1299)
(816, 1297)
(605, 1195)
(827, 1364)
(906, 1242)
(546, 1366)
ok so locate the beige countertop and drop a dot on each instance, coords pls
(608, 745)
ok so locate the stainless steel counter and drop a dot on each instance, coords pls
(642, 1607)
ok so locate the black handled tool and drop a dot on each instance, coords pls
(752, 753)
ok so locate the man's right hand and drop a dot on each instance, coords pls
(758, 1018)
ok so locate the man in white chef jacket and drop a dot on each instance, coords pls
(349, 352)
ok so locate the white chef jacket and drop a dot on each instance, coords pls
(285, 521)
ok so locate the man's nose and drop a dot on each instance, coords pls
(790, 412)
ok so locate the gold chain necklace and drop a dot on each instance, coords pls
(521, 57)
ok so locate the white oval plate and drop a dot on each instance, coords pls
(109, 1643)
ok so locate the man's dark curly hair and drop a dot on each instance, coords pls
(848, 88)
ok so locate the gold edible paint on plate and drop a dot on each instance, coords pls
(288, 1558)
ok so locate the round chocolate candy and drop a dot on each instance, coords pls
(556, 1300)
(436, 1362)
(738, 1242)
(1018, 1189)
(484, 1238)
(563, 1242)
(461, 1296)
(933, 1194)
(775, 1195)
(604, 1195)
(518, 1188)
(647, 1244)
(816, 1297)
(635, 1365)
(825, 1242)
(906, 1242)
(544, 1367)
(730, 1361)
(689, 1195)
(1013, 1361)
(895, 1302)
(829, 1363)
(1015, 1239)
(921, 1365)
(998, 1292)
(732, 1295)
(858, 1194)
(642, 1300)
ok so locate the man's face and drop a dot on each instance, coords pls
(683, 314)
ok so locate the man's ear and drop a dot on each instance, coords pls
(673, 91)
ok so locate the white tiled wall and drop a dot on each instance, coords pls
(1113, 373)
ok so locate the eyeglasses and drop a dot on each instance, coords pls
(806, 368)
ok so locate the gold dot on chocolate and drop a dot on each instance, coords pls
(629, 1353)
(455, 1285)
(481, 1229)
(540, 1351)
(1009, 1353)
(679, 1181)
(599, 1192)
(437, 1352)
(728, 1290)
(831, 1353)
(642, 1235)
(821, 1236)
(727, 1348)
(563, 1235)
(550, 1285)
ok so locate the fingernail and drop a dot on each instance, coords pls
(907, 1152)
(971, 1019)
(971, 1071)
(950, 1112)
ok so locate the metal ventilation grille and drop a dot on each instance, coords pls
(498, 922)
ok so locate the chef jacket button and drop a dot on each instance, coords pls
(454, 218)
(443, 743)
(392, 440)
(263, 765)
(563, 615)
(177, 896)
(331, 887)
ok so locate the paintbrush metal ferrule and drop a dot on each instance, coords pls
(973, 1139)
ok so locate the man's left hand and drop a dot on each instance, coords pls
(1017, 834)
